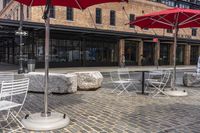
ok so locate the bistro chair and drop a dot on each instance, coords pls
(125, 75)
(118, 83)
(12, 97)
(157, 84)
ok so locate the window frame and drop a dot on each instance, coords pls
(98, 16)
(194, 31)
(69, 14)
(131, 19)
(112, 17)
(52, 13)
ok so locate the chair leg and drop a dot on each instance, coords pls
(11, 131)
(13, 119)
(116, 87)
(146, 87)
(124, 86)
(17, 120)
(134, 86)
(159, 91)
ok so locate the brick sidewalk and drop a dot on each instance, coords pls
(101, 111)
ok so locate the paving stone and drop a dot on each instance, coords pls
(103, 111)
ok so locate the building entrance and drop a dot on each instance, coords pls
(164, 54)
(148, 53)
(194, 55)
(180, 54)
(131, 52)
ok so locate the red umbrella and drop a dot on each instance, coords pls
(174, 18)
(49, 121)
(80, 4)
(169, 19)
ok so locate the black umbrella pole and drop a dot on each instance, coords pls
(21, 69)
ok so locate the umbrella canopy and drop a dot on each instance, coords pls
(173, 18)
(169, 19)
(79, 4)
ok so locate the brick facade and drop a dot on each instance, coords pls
(86, 19)
(137, 7)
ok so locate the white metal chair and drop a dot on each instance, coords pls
(125, 75)
(157, 85)
(155, 75)
(12, 97)
(118, 83)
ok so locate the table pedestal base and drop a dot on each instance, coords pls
(38, 123)
(176, 93)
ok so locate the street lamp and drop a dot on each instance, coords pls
(21, 69)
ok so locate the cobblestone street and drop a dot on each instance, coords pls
(105, 112)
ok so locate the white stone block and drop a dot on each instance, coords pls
(58, 83)
(89, 80)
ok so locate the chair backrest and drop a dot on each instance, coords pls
(14, 87)
(114, 76)
(123, 73)
(6, 76)
(166, 76)
(157, 74)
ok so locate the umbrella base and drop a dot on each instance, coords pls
(38, 123)
(176, 93)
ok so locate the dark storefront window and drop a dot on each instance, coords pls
(131, 51)
(100, 52)
(40, 50)
(180, 55)
(112, 17)
(70, 14)
(164, 54)
(194, 55)
(98, 15)
(131, 18)
(73, 52)
(60, 50)
(148, 53)
(79, 53)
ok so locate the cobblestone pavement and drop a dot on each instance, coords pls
(102, 111)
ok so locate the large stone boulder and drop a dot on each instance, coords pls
(58, 83)
(191, 79)
(89, 80)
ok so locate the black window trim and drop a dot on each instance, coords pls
(72, 15)
(98, 18)
(112, 18)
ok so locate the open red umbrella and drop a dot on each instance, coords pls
(174, 19)
(47, 120)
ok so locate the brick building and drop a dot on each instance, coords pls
(96, 36)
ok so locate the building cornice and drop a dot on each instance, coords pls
(84, 30)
